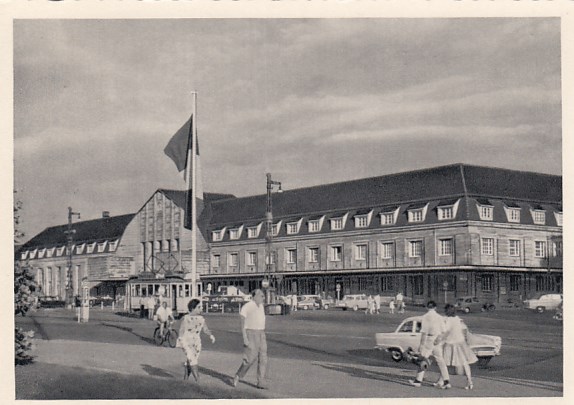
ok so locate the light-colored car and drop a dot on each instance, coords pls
(408, 334)
(353, 301)
(544, 302)
(306, 302)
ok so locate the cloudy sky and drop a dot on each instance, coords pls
(311, 101)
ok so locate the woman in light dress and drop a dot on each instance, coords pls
(457, 351)
(190, 340)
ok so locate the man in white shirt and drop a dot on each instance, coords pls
(163, 315)
(252, 316)
(433, 325)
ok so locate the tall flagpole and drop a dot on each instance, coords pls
(193, 198)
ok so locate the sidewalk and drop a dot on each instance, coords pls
(289, 378)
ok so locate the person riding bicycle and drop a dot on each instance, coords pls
(163, 315)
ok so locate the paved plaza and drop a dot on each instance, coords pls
(112, 357)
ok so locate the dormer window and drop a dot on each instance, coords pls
(363, 218)
(417, 212)
(512, 212)
(447, 209)
(314, 226)
(558, 216)
(102, 246)
(316, 223)
(538, 216)
(60, 250)
(253, 231)
(41, 253)
(485, 210)
(389, 216)
(336, 224)
(275, 228)
(80, 248)
(24, 255)
(445, 213)
(234, 234)
(33, 253)
(293, 227)
(217, 236)
(114, 245)
(50, 252)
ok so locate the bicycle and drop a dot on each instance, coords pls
(170, 335)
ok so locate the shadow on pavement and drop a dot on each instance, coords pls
(372, 375)
(226, 379)
(130, 330)
(155, 371)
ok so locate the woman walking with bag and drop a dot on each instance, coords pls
(457, 351)
(190, 340)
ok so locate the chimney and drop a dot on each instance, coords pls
(105, 214)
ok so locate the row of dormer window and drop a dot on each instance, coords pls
(387, 250)
(94, 247)
(415, 214)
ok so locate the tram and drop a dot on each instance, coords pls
(173, 288)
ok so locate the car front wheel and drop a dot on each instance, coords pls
(326, 306)
(466, 310)
(540, 309)
(356, 308)
(396, 355)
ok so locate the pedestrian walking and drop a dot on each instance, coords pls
(252, 317)
(433, 326)
(392, 306)
(378, 303)
(399, 303)
(142, 303)
(190, 338)
(370, 305)
(457, 351)
(150, 306)
(293, 302)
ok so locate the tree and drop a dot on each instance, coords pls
(24, 301)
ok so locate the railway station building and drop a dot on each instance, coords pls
(436, 233)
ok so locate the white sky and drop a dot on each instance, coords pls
(311, 101)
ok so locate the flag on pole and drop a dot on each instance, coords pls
(179, 150)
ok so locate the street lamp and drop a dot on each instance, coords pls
(267, 284)
(70, 237)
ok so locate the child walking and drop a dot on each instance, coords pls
(190, 340)
(392, 307)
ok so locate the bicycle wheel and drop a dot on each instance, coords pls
(172, 338)
(157, 338)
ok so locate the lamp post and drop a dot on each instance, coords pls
(267, 284)
(70, 238)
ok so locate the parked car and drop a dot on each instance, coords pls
(222, 303)
(51, 302)
(99, 300)
(544, 302)
(306, 302)
(472, 304)
(353, 301)
(407, 334)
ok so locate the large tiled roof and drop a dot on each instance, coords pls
(95, 230)
(444, 183)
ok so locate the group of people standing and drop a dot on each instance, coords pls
(446, 340)
(374, 304)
